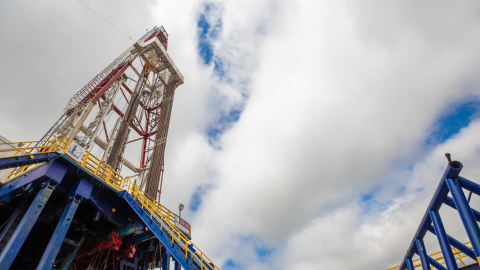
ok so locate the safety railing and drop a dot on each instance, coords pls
(457, 253)
(156, 212)
(29, 148)
(101, 170)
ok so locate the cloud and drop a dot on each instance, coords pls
(303, 142)
(336, 108)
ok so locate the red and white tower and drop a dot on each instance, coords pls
(125, 110)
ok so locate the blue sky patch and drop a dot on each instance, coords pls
(219, 68)
(209, 26)
(370, 203)
(216, 130)
(205, 49)
(367, 197)
(230, 265)
(264, 252)
(453, 120)
(196, 199)
(208, 33)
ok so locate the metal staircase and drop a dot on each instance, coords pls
(175, 242)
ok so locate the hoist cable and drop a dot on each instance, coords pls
(121, 15)
(106, 20)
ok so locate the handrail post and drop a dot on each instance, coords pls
(109, 176)
(85, 159)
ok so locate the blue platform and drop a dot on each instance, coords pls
(67, 209)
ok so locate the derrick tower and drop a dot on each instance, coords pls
(77, 200)
(134, 93)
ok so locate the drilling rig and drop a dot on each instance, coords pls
(76, 200)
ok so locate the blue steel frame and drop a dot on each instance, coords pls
(23, 229)
(431, 222)
(81, 189)
(6, 163)
(49, 176)
(126, 263)
(166, 260)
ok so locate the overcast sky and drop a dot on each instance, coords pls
(307, 135)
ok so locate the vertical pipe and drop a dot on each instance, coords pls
(165, 260)
(23, 229)
(127, 121)
(465, 212)
(145, 260)
(144, 142)
(113, 133)
(177, 265)
(158, 154)
(422, 253)
(443, 241)
(161, 183)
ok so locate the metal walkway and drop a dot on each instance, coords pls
(176, 243)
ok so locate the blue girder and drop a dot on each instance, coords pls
(63, 173)
(451, 183)
(22, 231)
(12, 162)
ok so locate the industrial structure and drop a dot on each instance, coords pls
(73, 200)
(454, 254)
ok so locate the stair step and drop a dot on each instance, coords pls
(163, 232)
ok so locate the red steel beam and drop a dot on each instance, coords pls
(117, 110)
(110, 82)
(135, 140)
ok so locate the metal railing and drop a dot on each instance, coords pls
(101, 170)
(29, 148)
(81, 96)
(457, 253)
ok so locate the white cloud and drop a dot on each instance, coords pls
(338, 99)
(336, 108)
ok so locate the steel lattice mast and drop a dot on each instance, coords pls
(65, 205)
(146, 109)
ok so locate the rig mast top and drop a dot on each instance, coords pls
(145, 109)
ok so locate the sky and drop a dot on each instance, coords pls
(307, 134)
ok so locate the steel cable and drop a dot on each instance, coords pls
(106, 20)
